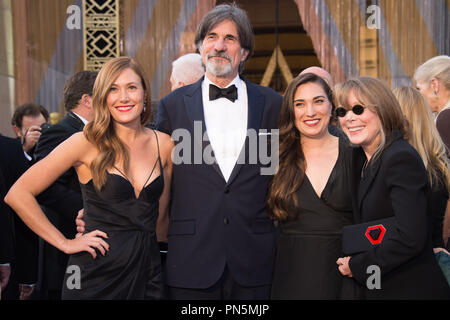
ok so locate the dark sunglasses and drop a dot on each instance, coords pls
(356, 109)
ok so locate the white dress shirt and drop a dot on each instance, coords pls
(226, 124)
(81, 118)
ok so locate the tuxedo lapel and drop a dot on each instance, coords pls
(193, 102)
(255, 111)
(255, 106)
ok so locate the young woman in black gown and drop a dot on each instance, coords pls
(310, 196)
(124, 170)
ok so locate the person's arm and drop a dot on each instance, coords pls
(22, 197)
(60, 195)
(162, 224)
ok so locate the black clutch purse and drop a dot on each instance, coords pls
(361, 237)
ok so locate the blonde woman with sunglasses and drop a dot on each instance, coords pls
(390, 185)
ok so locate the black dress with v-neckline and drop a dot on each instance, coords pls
(310, 244)
(131, 269)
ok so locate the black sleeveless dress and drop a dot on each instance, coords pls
(309, 245)
(131, 269)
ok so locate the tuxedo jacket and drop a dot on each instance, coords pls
(63, 196)
(61, 203)
(396, 185)
(216, 223)
(18, 244)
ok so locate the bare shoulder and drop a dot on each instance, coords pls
(165, 143)
(79, 146)
(164, 138)
(78, 140)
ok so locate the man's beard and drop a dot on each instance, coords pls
(219, 69)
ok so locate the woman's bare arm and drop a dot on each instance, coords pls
(22, 196)
(162, 224)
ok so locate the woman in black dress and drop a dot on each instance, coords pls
(124, 170)
(393, 186)
(310, 196)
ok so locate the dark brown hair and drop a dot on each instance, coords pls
(79, 84)
(282, 201)
(28, 109)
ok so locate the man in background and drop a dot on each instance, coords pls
(26, 122)
(62, 200)
(187, 69)
(18, 245)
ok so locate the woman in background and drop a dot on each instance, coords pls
(424, 137)
(433, 81)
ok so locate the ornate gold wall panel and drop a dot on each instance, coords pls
(101, 34)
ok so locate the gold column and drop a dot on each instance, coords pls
(368, 52)
(101, 32)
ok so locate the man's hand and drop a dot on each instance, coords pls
(80, 223)
(5, 272)
(31, 137)
(25, 291)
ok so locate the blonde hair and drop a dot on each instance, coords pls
(100, 131)
(375, 95)
(423, 135)
(437, 67)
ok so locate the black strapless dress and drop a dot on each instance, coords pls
(131, 269)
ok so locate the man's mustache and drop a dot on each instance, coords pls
(220, 54)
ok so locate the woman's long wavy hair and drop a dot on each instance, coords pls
(282, 201)
(100, 131)
(423, 135)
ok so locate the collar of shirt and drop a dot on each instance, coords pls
(29, 158)
(226, 124)
(240, 85)
(81, 118)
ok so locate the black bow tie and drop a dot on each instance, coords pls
(230, 93)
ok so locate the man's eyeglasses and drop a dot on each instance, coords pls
(356, 109)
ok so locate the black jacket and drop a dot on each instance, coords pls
(18, 244)
(396, 185)
(61, 203)
(215, 223)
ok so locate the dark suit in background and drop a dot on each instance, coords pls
(18, 243)
(215, 224)
(61, 202)
(396, 185)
